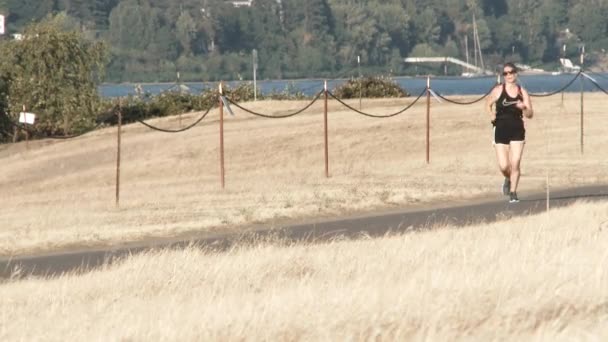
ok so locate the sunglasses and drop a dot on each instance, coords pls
(509, 72)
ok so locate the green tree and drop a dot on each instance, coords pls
(426, 26)
(269, 38)
(133, 25)
(150, 39)
(588, 21)
(22, 12)
(186, 32)
(54, 73)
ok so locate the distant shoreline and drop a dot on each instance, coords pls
(321, 79)
(446, 85)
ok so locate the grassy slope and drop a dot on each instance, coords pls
(533, 278)
(61, 194)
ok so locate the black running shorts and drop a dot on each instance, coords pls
(507, 131)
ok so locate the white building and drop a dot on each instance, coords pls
(241, 3)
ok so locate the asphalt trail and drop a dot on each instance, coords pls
(54, 264)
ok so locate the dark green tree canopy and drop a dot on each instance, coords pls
(150, 40)
(54, 72)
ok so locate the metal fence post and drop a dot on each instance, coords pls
(428, 120)
(582, 142)
(118, 148)
(326, 133)
(221, 107)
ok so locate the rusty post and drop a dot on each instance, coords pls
(582, 98)
(118, 148)
(360, 81)
(428, 120)
(326, 133)
(221, 106)
(582, 142)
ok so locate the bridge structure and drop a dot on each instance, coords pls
(446, 60)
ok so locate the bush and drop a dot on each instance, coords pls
(54, 72)
(135, 108)
(242, 93)
(176, 102)
(291, 92)
(371, 87)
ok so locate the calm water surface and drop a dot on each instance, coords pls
(414, 85)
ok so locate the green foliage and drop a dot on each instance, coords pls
(150, 40)
(243, 92)
(290, 92)
(6, 129)
(370, 87)
(53, 73)
(589, 22)
(166, 104)
(186, 32)
(176, 102)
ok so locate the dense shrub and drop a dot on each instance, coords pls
(135, 108)
(54, 72)
(370, 87)
(242, 93)
(176, 102)
(291, 92)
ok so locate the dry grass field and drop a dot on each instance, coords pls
(60, 194)
(537, 278)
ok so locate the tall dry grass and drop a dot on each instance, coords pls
(539, 278)
(60, 194)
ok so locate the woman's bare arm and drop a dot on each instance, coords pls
(490, 102)
(527, 109)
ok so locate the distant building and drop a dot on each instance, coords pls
(245, 3)
(241, 3)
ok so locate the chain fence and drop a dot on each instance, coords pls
(378, 116)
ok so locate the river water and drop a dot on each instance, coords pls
(535, 84)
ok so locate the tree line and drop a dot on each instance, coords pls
(152, 40)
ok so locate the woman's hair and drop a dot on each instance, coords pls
(511, 65)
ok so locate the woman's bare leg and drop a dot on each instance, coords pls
(503, 158)
(516, 151)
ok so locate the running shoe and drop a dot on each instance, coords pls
(513, 197)
(506, 186)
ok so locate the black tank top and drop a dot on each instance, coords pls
(506, 108)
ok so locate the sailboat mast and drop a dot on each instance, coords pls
(477, 44)
(466, 47)
(483, 67)
(474, 40)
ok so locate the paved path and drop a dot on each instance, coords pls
(370, 225)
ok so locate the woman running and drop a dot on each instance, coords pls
(507, 105)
